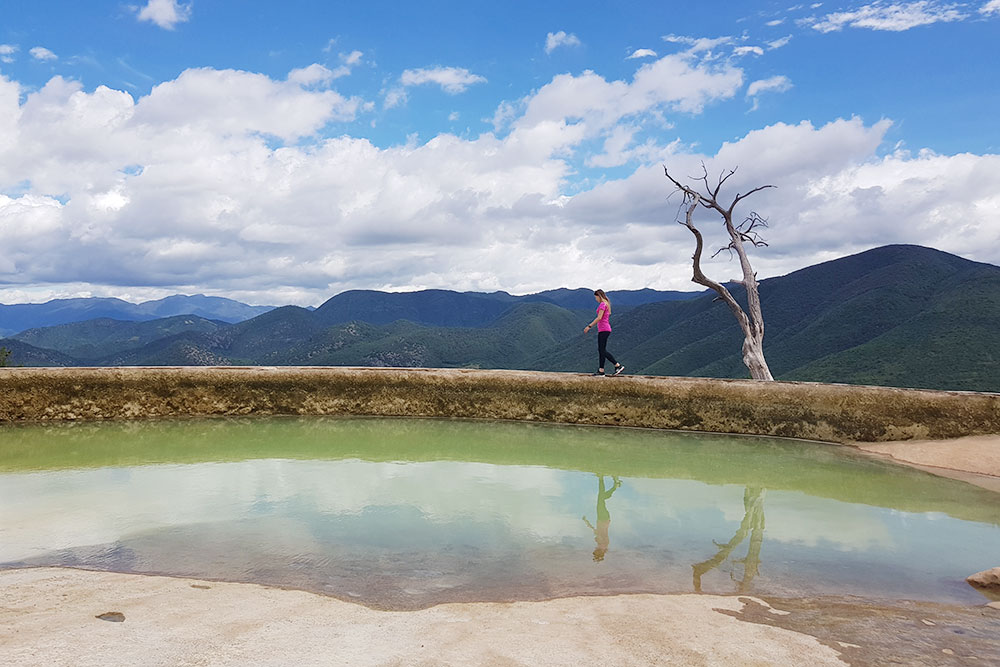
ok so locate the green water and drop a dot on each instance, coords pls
(401, 514)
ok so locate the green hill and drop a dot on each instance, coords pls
(897, 315)
(22, 354)
(293, 336)
(92, 339)
(445, 308)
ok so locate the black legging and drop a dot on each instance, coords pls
(602, 348)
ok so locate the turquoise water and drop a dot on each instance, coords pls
(403, 514)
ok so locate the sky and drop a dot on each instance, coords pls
(282, 153)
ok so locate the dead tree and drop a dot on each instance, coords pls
(751, 324)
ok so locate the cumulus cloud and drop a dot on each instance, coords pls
(650, 53)
(556, 39)
(889, 16)
(311, 75)
(7, 52)
(225, 182)
(991, 7)
(41, 53)
(748, 50)
(452, 80)
(164, 13)
(775, 22)
(317, 74)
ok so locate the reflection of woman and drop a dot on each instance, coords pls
(603, 517)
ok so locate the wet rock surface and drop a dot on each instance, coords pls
(887, 632)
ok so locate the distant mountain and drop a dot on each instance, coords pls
(15, 318)
(292, 335)
(93, 339)
(445, 308)
(22, 354)
(583, 298)
(440, 308)
(898, 315)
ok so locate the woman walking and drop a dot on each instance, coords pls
(603, 331)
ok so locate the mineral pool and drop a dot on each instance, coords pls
(408, 513)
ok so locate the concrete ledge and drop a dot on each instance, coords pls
(835, 413)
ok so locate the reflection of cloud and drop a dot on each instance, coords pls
(675, 498)
(63, 509)
(796, 518)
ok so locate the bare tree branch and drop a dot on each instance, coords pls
(746, 232)
(740, 197)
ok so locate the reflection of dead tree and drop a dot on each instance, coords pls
(746, 232)
(753, 523)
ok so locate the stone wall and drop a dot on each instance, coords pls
(836, 413)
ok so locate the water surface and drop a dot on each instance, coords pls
(402, 514)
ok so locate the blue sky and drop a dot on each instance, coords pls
(283, 152)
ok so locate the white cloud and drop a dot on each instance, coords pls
(165, 13)
(7, 52)
(650, 53)
(991, 7)
(775, 22)
(352, 58)
(556, 39)
(747, 50)
(777, 84)
(42, 53)
(312, 75)
(889, 16)
(778, 43)
(698, 44)
(394, 97)
(774, 84)
(203, 185)
(453, 80)
(317, 74)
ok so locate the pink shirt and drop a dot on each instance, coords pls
(604, 312)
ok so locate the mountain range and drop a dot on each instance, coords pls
(897, 315)
(18, 317)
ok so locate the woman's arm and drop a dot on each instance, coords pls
(594, 323)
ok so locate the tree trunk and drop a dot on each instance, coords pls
(751, 325)
(753, 357)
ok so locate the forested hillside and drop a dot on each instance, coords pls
(897, 315)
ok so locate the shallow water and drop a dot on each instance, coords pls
(406, 513)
